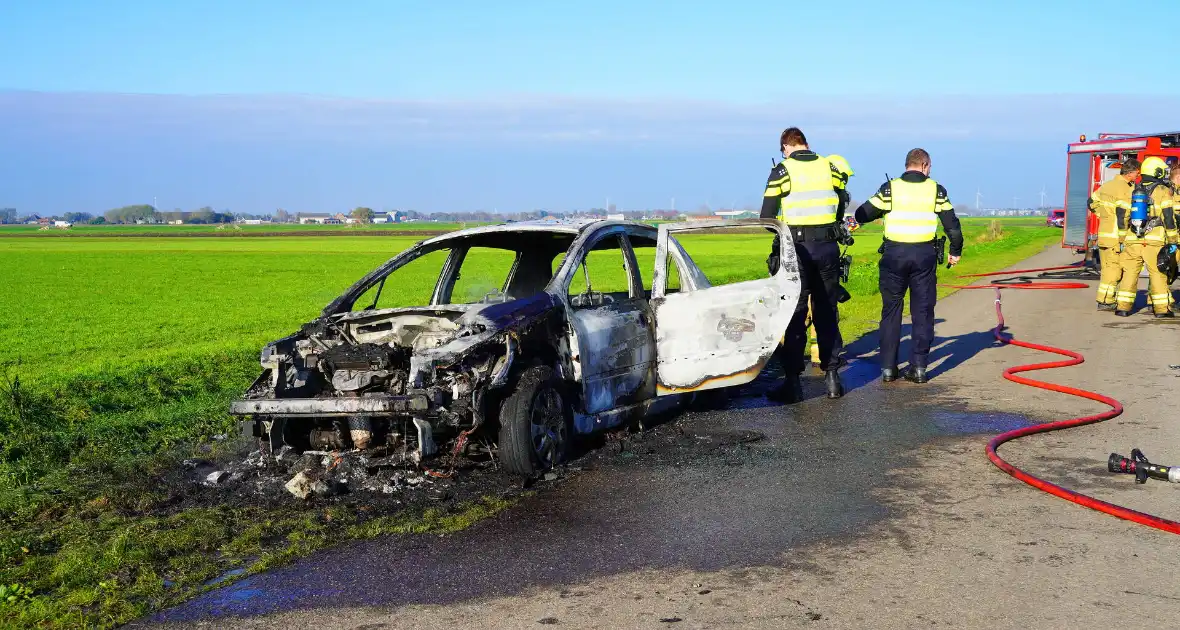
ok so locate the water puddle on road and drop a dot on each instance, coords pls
(965, 423)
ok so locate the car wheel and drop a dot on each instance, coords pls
(535, 430)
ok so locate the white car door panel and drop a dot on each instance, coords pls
(719, 336)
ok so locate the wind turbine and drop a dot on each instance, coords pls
(978, 195)
(1042, 197)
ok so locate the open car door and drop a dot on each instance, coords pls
(718, 323)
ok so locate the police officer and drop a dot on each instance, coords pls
(846, 172)
(912, 206)
(1142, 243)
(806, 192)
(1107, 202)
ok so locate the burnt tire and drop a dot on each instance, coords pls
(711, 399)
(535, 431)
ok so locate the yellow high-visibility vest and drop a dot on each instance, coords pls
(912, 217)
(812, 200)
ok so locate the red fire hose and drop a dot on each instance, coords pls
(1116, 407)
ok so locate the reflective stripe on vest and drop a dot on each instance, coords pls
(912, 218)
(812, 201)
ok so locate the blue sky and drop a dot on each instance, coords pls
(475, 105)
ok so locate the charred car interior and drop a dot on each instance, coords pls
(524, 333)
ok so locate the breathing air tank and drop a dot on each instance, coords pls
(1139, 202)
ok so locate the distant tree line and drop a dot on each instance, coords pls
(144, 213)
(203, 215)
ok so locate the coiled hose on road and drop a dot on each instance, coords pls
(1075, 358)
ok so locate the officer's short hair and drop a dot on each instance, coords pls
(917, 157)
(1130, 165)
(792, 136)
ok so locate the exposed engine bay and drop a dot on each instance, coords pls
(377, 380)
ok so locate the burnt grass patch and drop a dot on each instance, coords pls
(141, 536)
(107, 509)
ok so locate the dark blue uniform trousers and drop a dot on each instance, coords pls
(819, 272)
(911, 266)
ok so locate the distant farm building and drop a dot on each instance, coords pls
(317, 217)
(736, 214)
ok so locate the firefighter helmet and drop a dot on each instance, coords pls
(841, 164)
(1154, 167)
(1165, 261)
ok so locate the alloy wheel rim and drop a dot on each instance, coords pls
(547, 426)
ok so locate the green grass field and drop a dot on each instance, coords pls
(127, 352)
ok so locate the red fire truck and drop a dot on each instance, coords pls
(1091, 163)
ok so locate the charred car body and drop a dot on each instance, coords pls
(518, 338)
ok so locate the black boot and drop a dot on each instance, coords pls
(1122, 313)
(1106, 307)
(889, 374)
(835, 387)
(916, 374)
(789, 392)
(1165, 315)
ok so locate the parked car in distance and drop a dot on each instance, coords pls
(1056, 218)
(524, 335)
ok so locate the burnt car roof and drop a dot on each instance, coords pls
(552, 235)
(570, 227)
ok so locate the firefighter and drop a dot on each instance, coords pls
(806, 192)
(1111, 198)
(1142, 242)
(1174, 248)
(912, 207)
(843, 168)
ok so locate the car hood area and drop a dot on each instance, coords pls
(427, 362)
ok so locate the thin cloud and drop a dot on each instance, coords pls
(539, 119)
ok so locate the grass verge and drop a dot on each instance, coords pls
(95, 565)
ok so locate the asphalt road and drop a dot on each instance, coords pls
(879, 509)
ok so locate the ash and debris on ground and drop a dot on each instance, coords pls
(247, 476)
(252, 476)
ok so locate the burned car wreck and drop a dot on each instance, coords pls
(525, 334)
